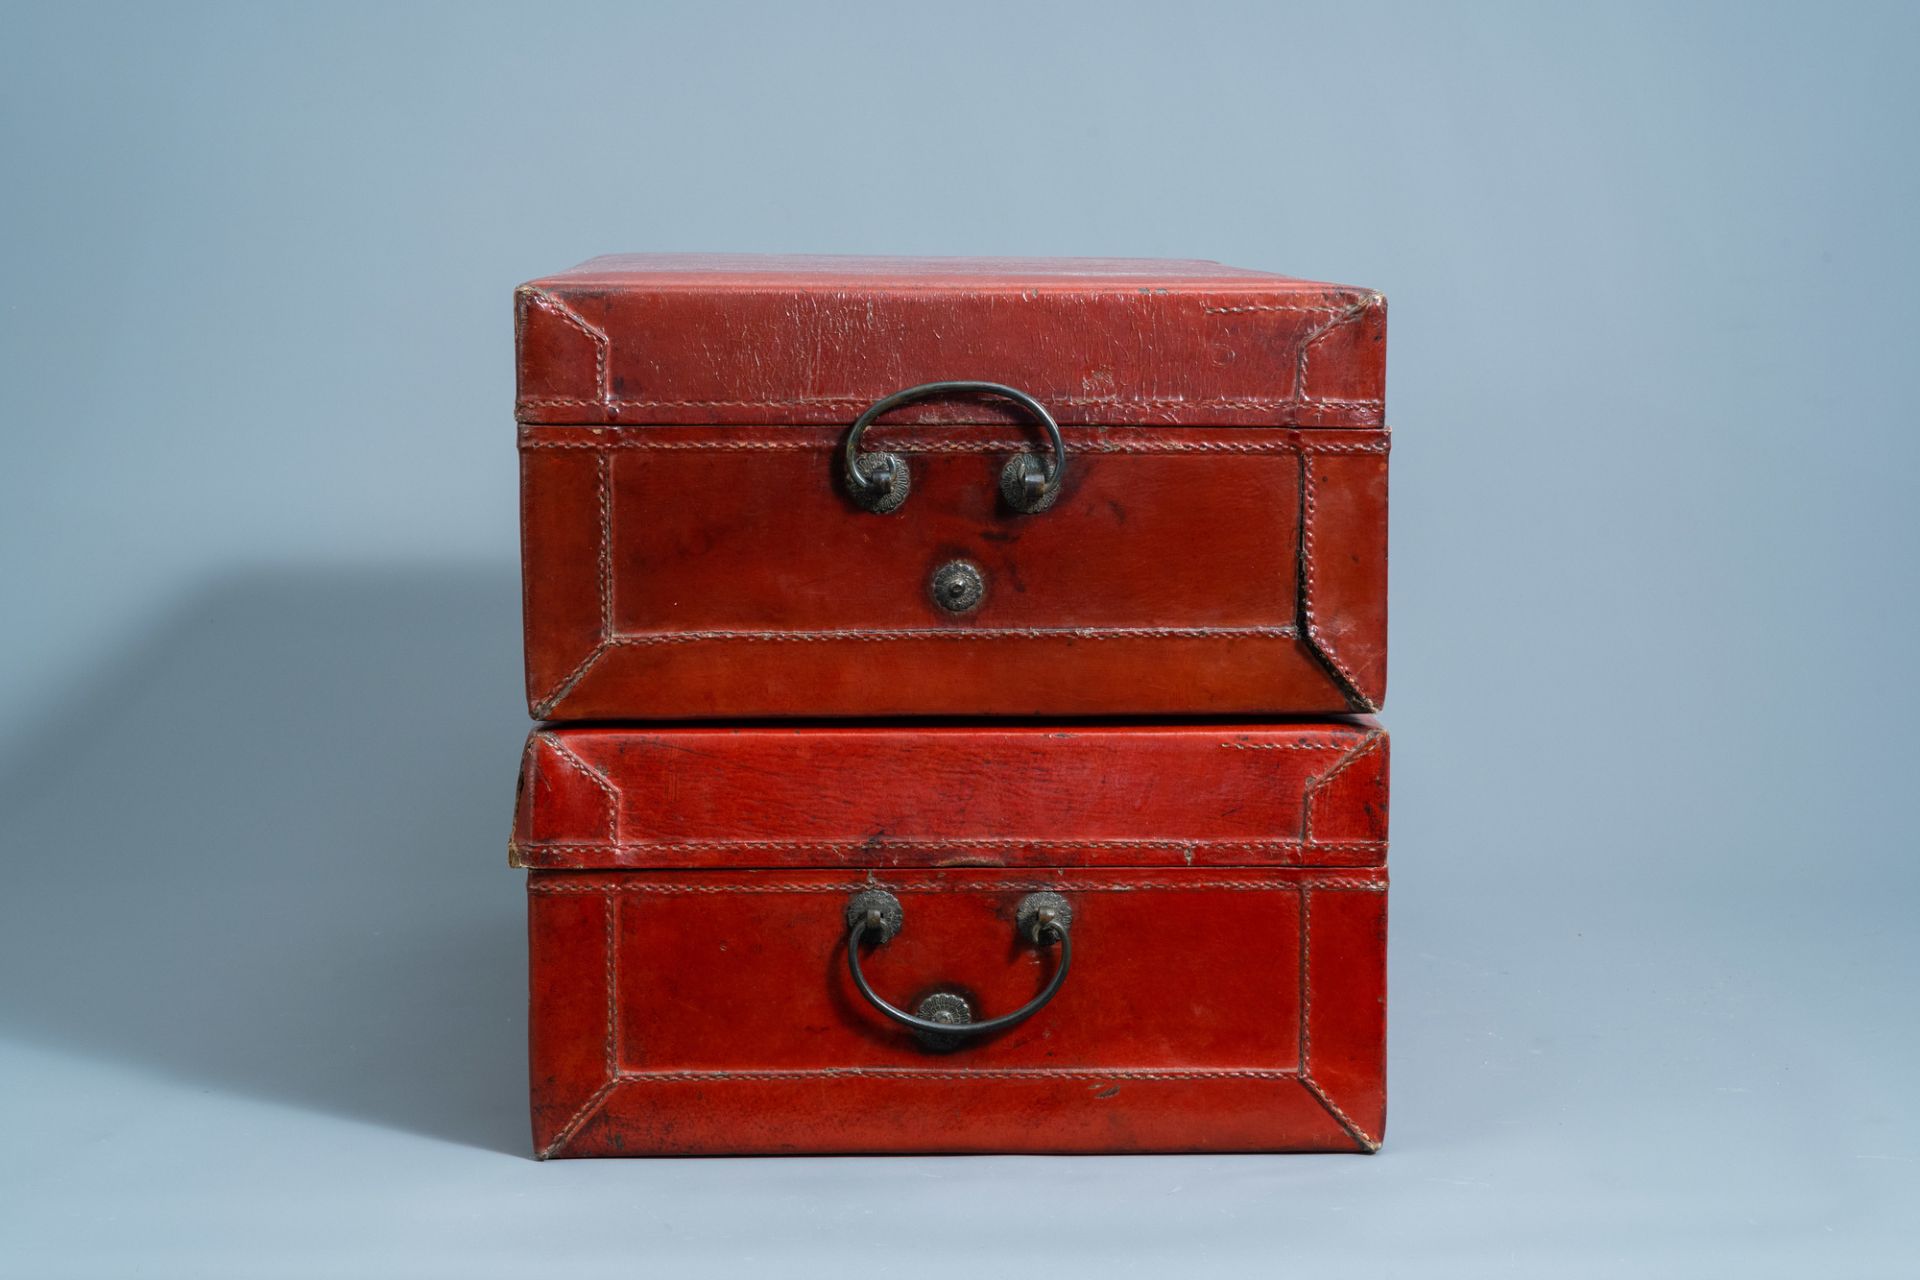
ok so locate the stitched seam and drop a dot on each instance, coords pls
(1316, 785)
(1284, 886)
(1347, 315)
(638, 638)
(983, 1073)
(1306, 980)
(1324, 309)
(916, 855)
(1286, 746)
(957, 842)
(1147, 447)
(612, 905)
(604, 479)
(547, 705)
(1354, 1131)
(544, 708)
(580, 1117)
(1345, 1121)
(592, 775)
(522, 803)
(1306, 987)
(595, 335)
(864, 402)
(609, 905)
(1308, 572)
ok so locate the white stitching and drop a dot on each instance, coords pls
(894, 843)
(603, 479)
(621, 884)
(580, 1117)
(545, 707)
(596, 335)
(522, 802)
(981, 1073)
(918, 855)
(1314, 786)
(1302, 1074)
(630, 639)
(1347, 315)
(858, 403)
(612, 907)
(529, 439)
(1287, 746)
(1315, 636)
(1354, 1131)
(1324, 309)
(593, 775)
(1306, 988)
(604, 482)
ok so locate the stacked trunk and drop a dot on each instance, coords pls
(980, 768)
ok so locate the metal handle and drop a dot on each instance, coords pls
(879, 481)
(1041, 918)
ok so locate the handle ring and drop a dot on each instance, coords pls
(879, 481)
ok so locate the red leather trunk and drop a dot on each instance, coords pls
(688, 909)
(694, 546)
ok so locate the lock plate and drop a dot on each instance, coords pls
(958, 586)
(947, 1007)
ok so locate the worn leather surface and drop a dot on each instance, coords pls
(677, 338)
(702, 1005)
(710, 1012)
(676, 572)
(1197, 560)
(1312, 794)
(691, 554)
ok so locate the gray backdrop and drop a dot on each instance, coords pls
(1653, 282)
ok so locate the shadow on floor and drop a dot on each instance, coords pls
(264, 852)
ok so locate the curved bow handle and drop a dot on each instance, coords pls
(880, 481)
(944, 1020)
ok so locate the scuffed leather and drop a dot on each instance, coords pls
(691, 554)
(701, 1005)
(676, 338)
(1219, 544)
(692, 573)
(929, 796)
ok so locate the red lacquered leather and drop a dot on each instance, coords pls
(1004, 795)
(743, 338)
(696, 1008)
(690, 550)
